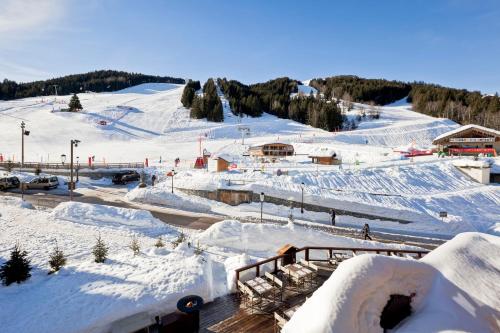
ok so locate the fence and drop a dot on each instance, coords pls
(66, 166)
(306, 251)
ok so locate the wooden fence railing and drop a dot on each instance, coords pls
(66, 166)
(306, 252)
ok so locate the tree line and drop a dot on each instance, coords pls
(274, 97)
(208, 105)
(97, 81)
(459, 105)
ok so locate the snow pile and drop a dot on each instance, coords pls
(100, 216)
(353, 298)
(16, 202)
(456, 289)
(162, 195)
(266, 239)
(480, 163)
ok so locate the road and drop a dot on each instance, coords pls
(113, 196)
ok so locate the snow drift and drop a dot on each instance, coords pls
(456, 289)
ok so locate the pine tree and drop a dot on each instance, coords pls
(17, 268)
(100, 250)
(134, 246)
(159, 243)
(74, 103)
(57, 260)
(181, 238)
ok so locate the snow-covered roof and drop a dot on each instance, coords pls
(467, 127)
(322, 152)
(223, 156)
(460, 277)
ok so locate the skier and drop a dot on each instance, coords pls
(333, 215)
(153, 179)
(366, 232)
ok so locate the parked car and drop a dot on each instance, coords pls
(9, 182)
(43, 183)
(126, 176)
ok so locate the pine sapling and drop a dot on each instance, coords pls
(159, 243)
(181, 238)
(56, 260)
(100, 251)
(134, 246)
(198, 249)
(17, 268)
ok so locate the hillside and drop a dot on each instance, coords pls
(97, 81)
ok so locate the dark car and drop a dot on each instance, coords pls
(9, 182)
(127, 176)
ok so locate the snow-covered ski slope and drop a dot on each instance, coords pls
(149, 121)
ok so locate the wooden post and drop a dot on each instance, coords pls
(257, 270)
(275, 265)
(307, 254)
(330, 253)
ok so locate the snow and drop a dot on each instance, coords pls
(100, 216)
(474, 163)
(88, 297)
(466, 127)
(455, 290)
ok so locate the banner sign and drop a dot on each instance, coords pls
(472, 139)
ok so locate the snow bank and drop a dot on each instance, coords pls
(162, 195)
(107, 216)
(456, 288)
(353, 298)
(266, 239)
(16, 202)
(480, 163)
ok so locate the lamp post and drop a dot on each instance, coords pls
(74, 143)
(23, 133)
(261, 204)
(302, 201)
(173, 173)
(63, 159)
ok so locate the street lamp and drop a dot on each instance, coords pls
(302, 202)
(173, 173)
(74, 143)
(23, 133)
(261, 204)
(63, 159)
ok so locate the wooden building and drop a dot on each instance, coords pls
(219, 163)
(271, 149)
(469, 140)
(325, 156)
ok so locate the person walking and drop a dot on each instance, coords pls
(153, 179)
(366, 232)
(333, 215)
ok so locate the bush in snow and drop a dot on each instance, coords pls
(100, 251)
(181, 238)
(198, 249)
(134, 246)
(159, 243)
(17, 268)
(56, 260)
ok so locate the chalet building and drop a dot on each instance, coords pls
(469, 140)
(325, 157)
(271, 149)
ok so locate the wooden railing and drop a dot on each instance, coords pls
(306, 251)
(66, 166)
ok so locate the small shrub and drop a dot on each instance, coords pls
(134, 246)
(181, 238)
(17, 268)
(159, 243)
(100, 251)
(198, 249)
(56, 260)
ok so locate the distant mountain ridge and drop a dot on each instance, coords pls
(97, 81)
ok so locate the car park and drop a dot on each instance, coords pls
(9, 182)
(126, 176)
(43, 183)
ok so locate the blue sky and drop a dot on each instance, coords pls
(453, 43)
